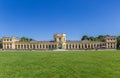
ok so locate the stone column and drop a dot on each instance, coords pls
(20, 46)
(17, 46)
(41, 46)
(28, 46)
(32, 46)
(77, 46)
(90, 45)
(93, 46)
(38, 46)
(71, 46)
(80, 46)
(87, 46)
(45, 46)
(35, 46)
(68, 46)
(3, 46)
(8, 45)
(23, 46)
(110, 45)
(115, 45)
(107, 45)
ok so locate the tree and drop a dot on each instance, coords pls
(96, 39)
(100, 37)
(92, 38)
(118, 41)
(85, 37)
(30, 39)
(0, 43)
(26, 39)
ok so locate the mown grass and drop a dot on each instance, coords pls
(72, 64)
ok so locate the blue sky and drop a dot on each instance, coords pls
(40, 19)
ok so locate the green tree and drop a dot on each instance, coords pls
(0, 43)
(92, 38)
(100, 37)
(26, 39)
(85, 37)
(118, 41)
(30, 39)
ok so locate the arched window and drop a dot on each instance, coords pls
(40, 46)
(49, 46)
(21, 46)
(72, 45)
(79, 46)
(34, 46)
(59, 39)
(66, 46)
(46, 46)
(76, 45)
(52, 46)
(85, 45)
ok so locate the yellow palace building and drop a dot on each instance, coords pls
(59, 42)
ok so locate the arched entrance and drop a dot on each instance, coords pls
(59, 46)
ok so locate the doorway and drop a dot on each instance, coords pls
(59, 46)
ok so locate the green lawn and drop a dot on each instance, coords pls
(74, 64)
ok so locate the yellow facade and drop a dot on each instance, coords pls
(60, 42)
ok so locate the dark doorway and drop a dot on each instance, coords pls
(59, 46)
